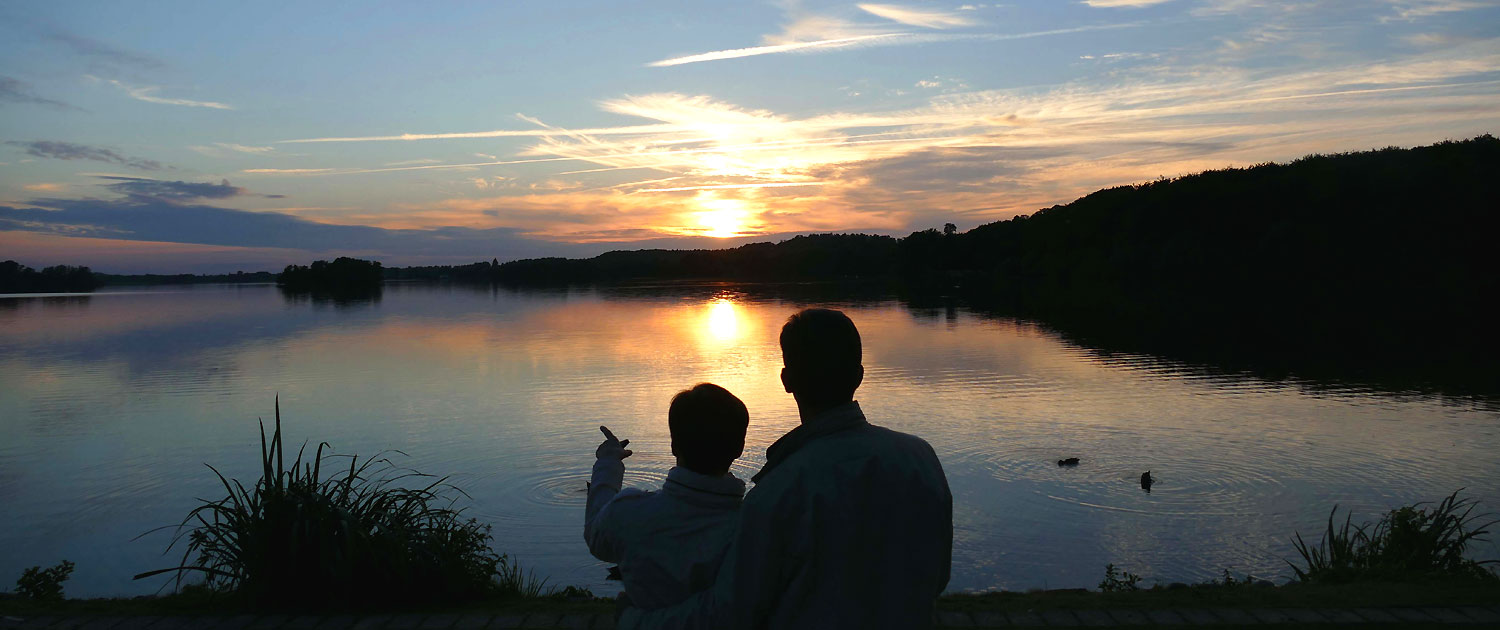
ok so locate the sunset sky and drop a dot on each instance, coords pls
(207, 137)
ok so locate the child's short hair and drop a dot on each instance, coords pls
(708, 428)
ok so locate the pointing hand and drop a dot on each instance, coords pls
(612, 448)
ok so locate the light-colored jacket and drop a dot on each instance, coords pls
(669, 544)
(849, 525)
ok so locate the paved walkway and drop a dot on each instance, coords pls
(1469, 615)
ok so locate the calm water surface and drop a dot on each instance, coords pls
(111, 404)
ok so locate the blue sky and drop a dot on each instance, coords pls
(206, 136)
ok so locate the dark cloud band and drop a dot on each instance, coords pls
(72, 151)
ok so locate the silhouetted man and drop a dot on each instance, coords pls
(849, 525)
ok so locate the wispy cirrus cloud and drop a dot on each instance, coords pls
(493, 133)
(721, 168)
(222, 149)
(98, 50)
(1123, 3)
(73, 151)
(148, 94)
(753, 51)
(878, 39)
(924, 18)
(811, 33)
(1411, 10)
(14, 90)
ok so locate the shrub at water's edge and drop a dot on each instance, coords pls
(1408, 543)
(371, 533)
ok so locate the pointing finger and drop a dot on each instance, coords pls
(607, 434)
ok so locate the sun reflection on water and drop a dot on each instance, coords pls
(723, 321)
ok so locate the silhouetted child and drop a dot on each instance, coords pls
(669, 544)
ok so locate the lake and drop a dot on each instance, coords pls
(111, 404)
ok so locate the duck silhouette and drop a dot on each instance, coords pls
(1071, 461)
(1146, 481)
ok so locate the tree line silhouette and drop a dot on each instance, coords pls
(1391, 232)
(1369, 265)
(343, 275)
(18, 278)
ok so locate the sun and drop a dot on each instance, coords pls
(722, 218)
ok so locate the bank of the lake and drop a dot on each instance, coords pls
(1297, 605)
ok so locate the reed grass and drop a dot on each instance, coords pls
(371, 532)
(1410, 542)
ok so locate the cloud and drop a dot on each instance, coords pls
(1123, 3)
(220, 149)
(171, 190)
(242, 148)
(495, 133)
(288, 171)
(818, 45)
(98, 50)
(925, 18)
(72, 151)
(727, 187)
(159, 220)
(806, 33)
(1411, 10)
(16, 91)
(148, 94)
(875, 39)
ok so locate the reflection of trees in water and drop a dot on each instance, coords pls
(1317, 355)
(51, 303)
(342, 299)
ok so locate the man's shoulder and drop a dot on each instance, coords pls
(814, 460)
(869, 439)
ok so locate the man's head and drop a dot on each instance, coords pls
(820, 350)
(708, 428)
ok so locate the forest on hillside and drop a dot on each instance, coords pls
(1368, 228)
(1383, 257)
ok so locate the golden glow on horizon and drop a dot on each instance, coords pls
(722, 218)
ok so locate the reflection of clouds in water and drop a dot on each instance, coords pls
(507, 390)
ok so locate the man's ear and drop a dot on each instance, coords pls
(786, 382)
(859, 376)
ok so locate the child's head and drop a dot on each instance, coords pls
(708, 428)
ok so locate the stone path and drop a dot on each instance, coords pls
(1183, 617)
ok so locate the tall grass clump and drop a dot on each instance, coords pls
(368, 533)
(1408, 543)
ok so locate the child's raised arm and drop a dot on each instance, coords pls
(604, 484)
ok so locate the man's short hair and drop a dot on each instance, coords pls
(708, 428)
(820, 339)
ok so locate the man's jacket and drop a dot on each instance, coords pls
(850, 525)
